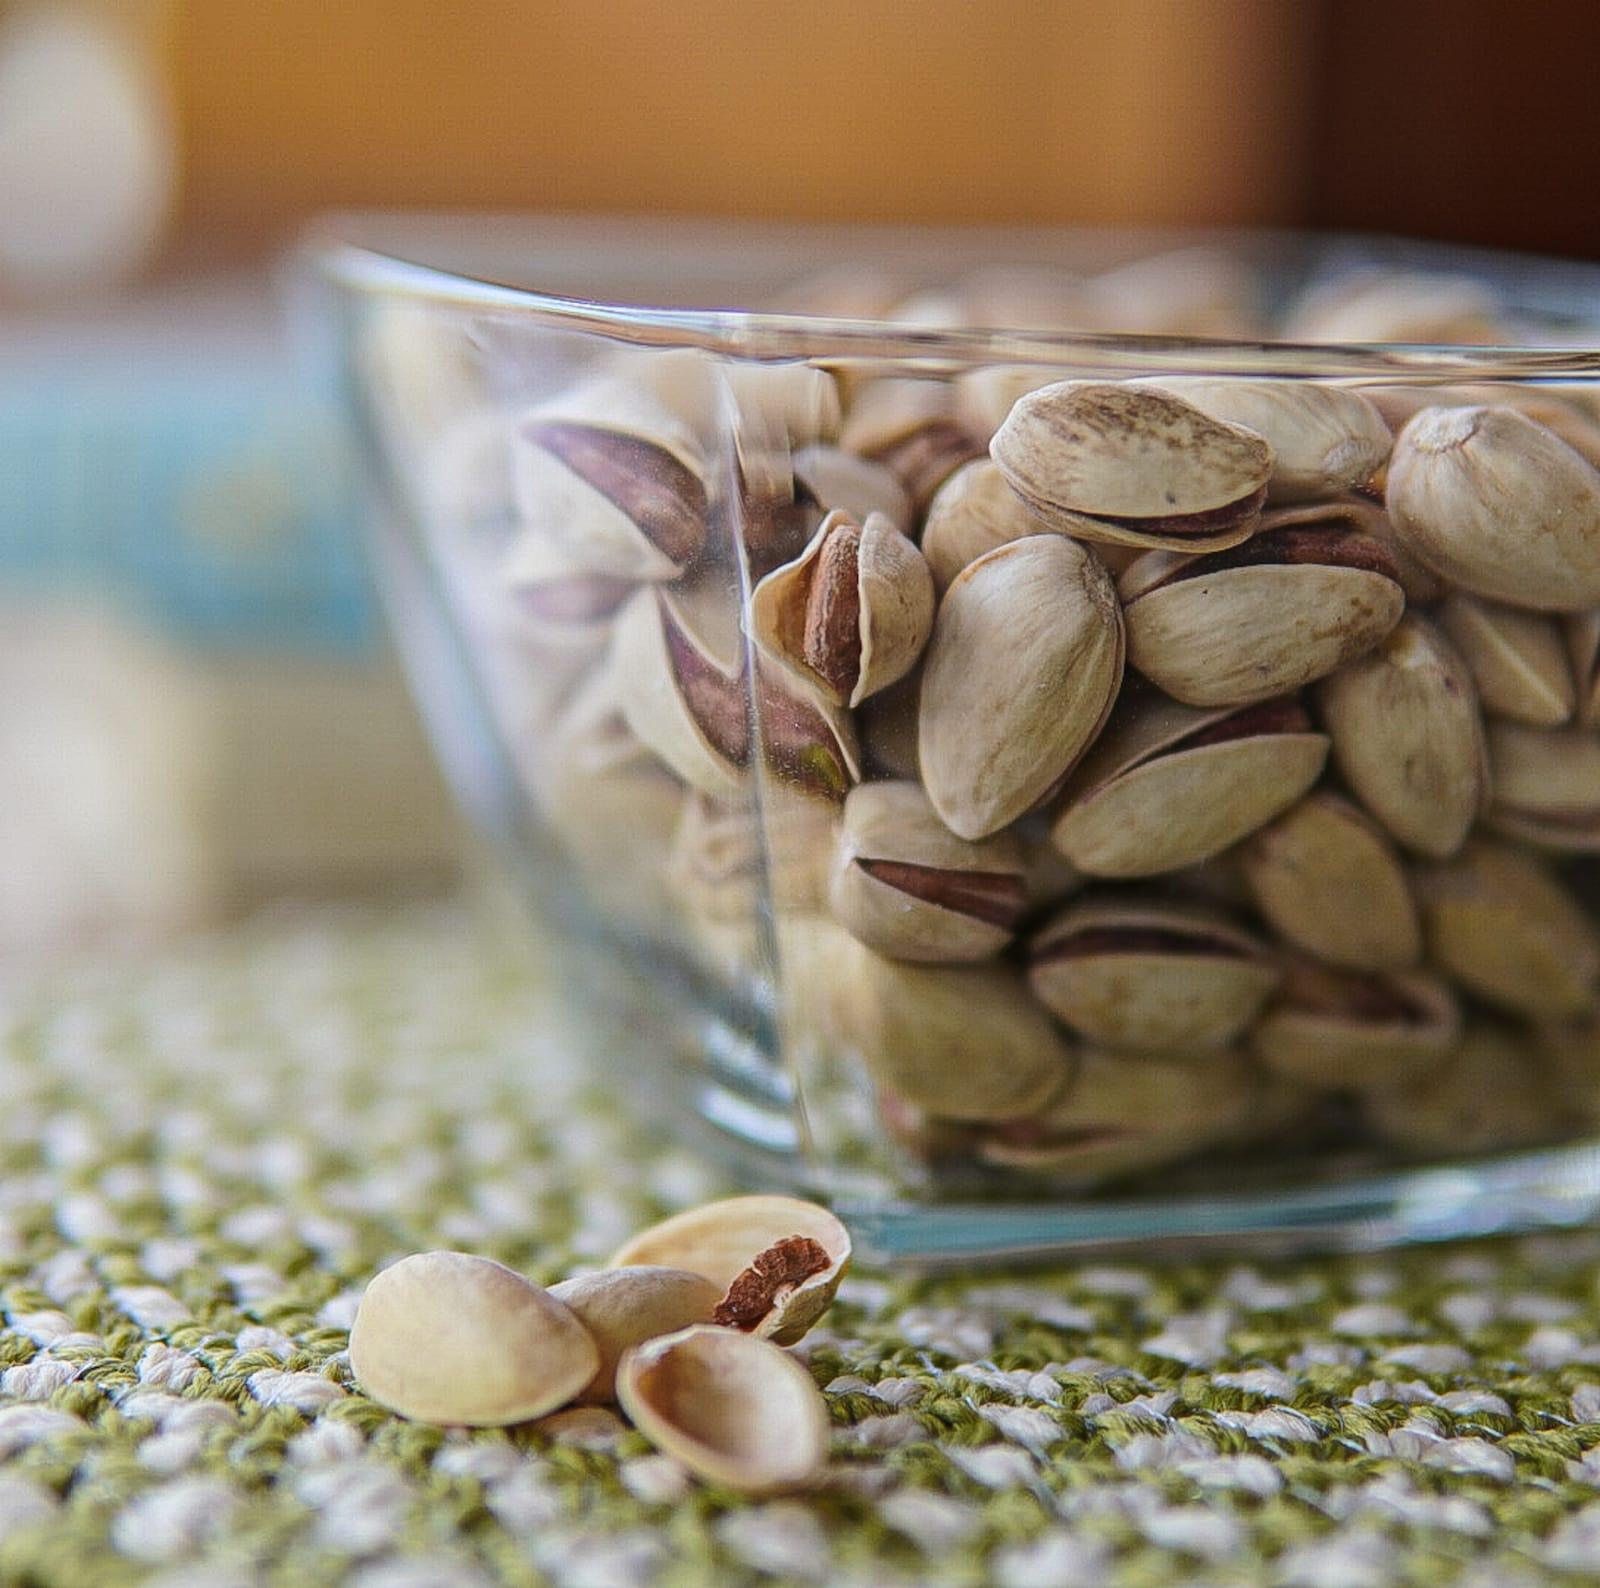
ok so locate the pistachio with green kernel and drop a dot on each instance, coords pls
(1518, 660)
(1546, 786)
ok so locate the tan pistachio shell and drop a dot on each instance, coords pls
(1191, 291)
(1502, 924)
(724, 859)
(973, 512)
(1518, 660)
(1421, 584)
(1146, 800)
(834, 478)
(1146, 975)
(984, 397)
(734, 1409)
(446, 1337)
(1583, 644)
(1500, 506)
(622, 1307)
(1018, 678)
(907, 887)
(910, 426)
(720, 1241)
(1546, 785)
(1133, 466)
(583, 1428)
(555, 596)
(1328, 880)
(1408, 737)
(1378, 304)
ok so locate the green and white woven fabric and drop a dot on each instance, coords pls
(202, 1161)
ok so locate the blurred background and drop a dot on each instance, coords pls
(198, 711)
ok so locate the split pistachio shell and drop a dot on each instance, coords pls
(1422, 586)
(851, 614)
(622, 1307)
(1518, 660)
(906, 886)
(1502, 924)
(1583, 642)
(1500, 506)
(910, 427)
(1019, 676)
(721, 1240)
(973, 512)
(1167, 785)
(1146, 975)
(734, 1409)
(556, 597)
(1327, 879)
(1546, 785)
(1408, 737)
(583, 1427)
(1324, 439)
(444, 1337)
(834, 478)
(1336, 1030)
(1134, 466)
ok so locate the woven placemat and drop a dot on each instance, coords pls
(203, 1159)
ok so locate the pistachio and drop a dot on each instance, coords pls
(722, 1240)
(1325, 439)
(1166, 785)
(1503, 925)
(1333, 1030)
(1420, 584)
(1133, 465)
(973, 512)
(1382, 305)
(722, 857)
(1583, 642)
(851, 614)
(558, 597)
(1325, 877)
(910, 427)
(1140, 974)
(1500, 506)
(1234, 627)
(984, 396)
(1019, 676)
(734, 1409)
(444, 1337)
(835, 479)
(1517, 659)
(907, 887)
(1546, 785)
(583, 1428)
(1191, 291)
(1408, 737)
(622, 1307)
(807, 742)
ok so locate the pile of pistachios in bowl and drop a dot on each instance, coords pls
(1103, 772)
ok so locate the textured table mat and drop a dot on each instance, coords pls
(203, 1159)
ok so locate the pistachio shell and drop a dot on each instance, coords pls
(1421, 584)
(834, 478)
(1190, 291)
(1517, 659)
(583, 1428)
(725, 859)
(445, 1337)
(555, 597)
(1151, 976)
(622, 1307)
(734, 1409)
(909, 888)
(911, 428)
(1408, 737)
(1546, 785)
(1377, 304)
(1324, 439)
(1583, 643)
(973, 512)
(1500, 506)
(985, 396)
(1166, 785)
(1325, 877)
(1019, 676)
(1508, 931)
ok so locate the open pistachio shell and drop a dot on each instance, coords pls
(1518, 660)
(1133, 465)
(1262, 619)
(973, 512)
(734, 1409)
(1328, 880)
(1018, 678)
(1546, 785)
(834, 478)
(622, 1307)
(1421, 584)
(911, 428)
(1502, 924)
(1500, 506)
(722, 1240)
(1325, 439)
(1167, 785)
(445, 1337)
(906, 886)
(1408, 736)
(1336, 1030)
(1146, 975)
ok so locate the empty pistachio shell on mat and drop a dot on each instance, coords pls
(1519, 660)
(1145, 974)
(1328, 880)
(722, 1240)
(836, 479)
(1546, 786)
(445, 1337)
(906, 886)
(583, 1427)
(851, 614)
(1324, 439)
(910, 427)
(1583, 646)
(1500, 506)
(1287, 607)
(1504, 926)
(973, 512)
(1134, 466)
(1333, 1030)
(1408, 736)
(1019, 676)
(1420, 583)
(734, 1409)
(1167, 785)
(622, 1307)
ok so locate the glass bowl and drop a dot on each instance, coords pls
(1046, 740)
